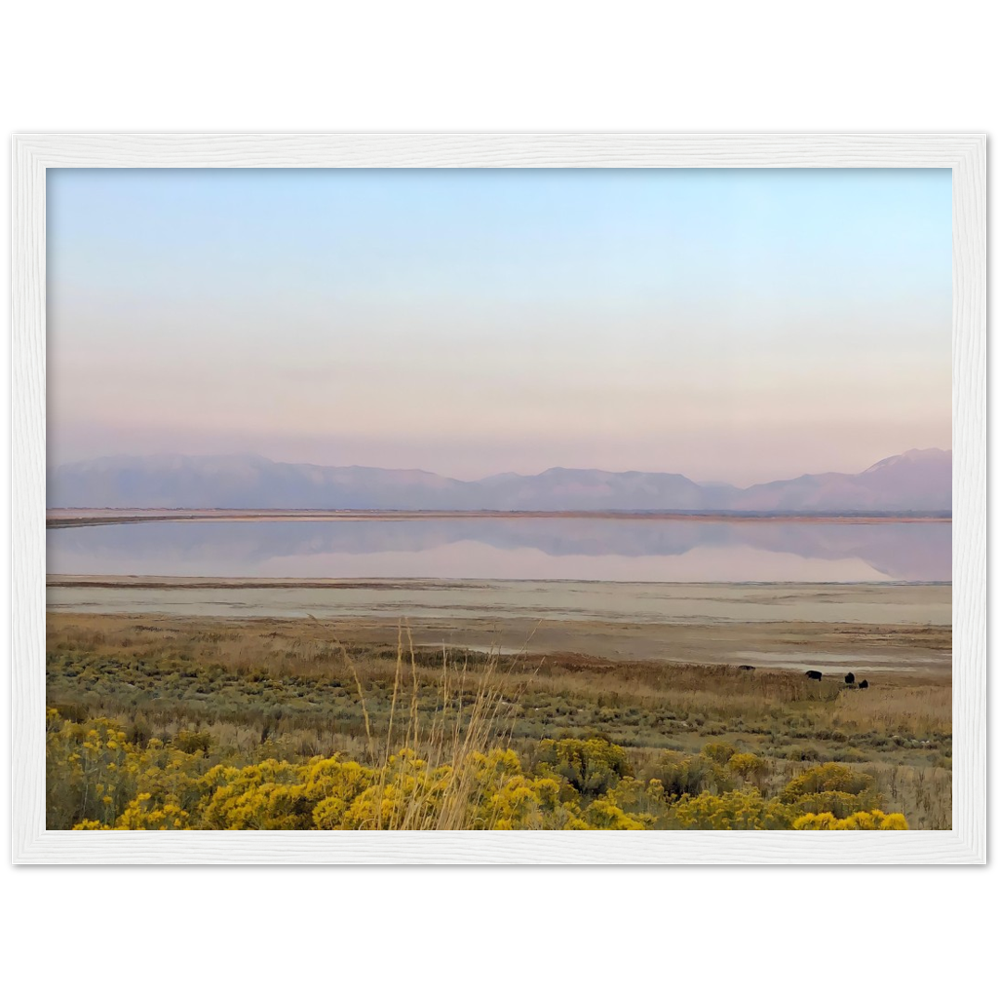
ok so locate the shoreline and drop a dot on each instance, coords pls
(89, 517)
(116, 581)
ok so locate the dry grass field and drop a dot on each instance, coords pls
(673, 745)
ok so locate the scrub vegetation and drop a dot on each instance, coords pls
(201, 723)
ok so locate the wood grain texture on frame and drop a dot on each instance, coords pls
(964, 154)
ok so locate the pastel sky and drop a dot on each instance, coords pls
(737, 325)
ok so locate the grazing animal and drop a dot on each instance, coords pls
(863, 684)
(746, 666)
(849, 679)
(814, 675)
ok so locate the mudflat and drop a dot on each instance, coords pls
(874, 627)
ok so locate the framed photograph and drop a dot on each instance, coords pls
(473, 499)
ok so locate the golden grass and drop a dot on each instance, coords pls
(457, 733)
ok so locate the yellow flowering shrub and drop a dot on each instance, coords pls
(874, 820)
(602, 814)
(590, 766)
(265, 796)
(88, 765)
(141, 814)
(831, 788)
(408, 795)
(719, 752)
(736, 810)
(747, 766)
(97, 779)
(826, 778)
(333, 784)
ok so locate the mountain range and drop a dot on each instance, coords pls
(916, 481)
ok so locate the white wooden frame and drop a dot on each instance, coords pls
(965, 154)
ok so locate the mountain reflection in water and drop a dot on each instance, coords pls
(520, 548)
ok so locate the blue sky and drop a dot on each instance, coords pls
(742, 324)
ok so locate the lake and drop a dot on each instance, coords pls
(513, 548)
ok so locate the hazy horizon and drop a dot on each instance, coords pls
(497, 472)
(729, 325)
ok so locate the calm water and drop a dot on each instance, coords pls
(512, 549)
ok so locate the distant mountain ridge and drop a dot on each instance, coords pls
(917, 481)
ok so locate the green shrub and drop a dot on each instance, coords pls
(683, 775)
(590, 766)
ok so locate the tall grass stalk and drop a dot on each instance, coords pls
(452, 752)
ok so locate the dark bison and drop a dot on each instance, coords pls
(863, 684)
(849, 679)
(814, 675)
(746, 666)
